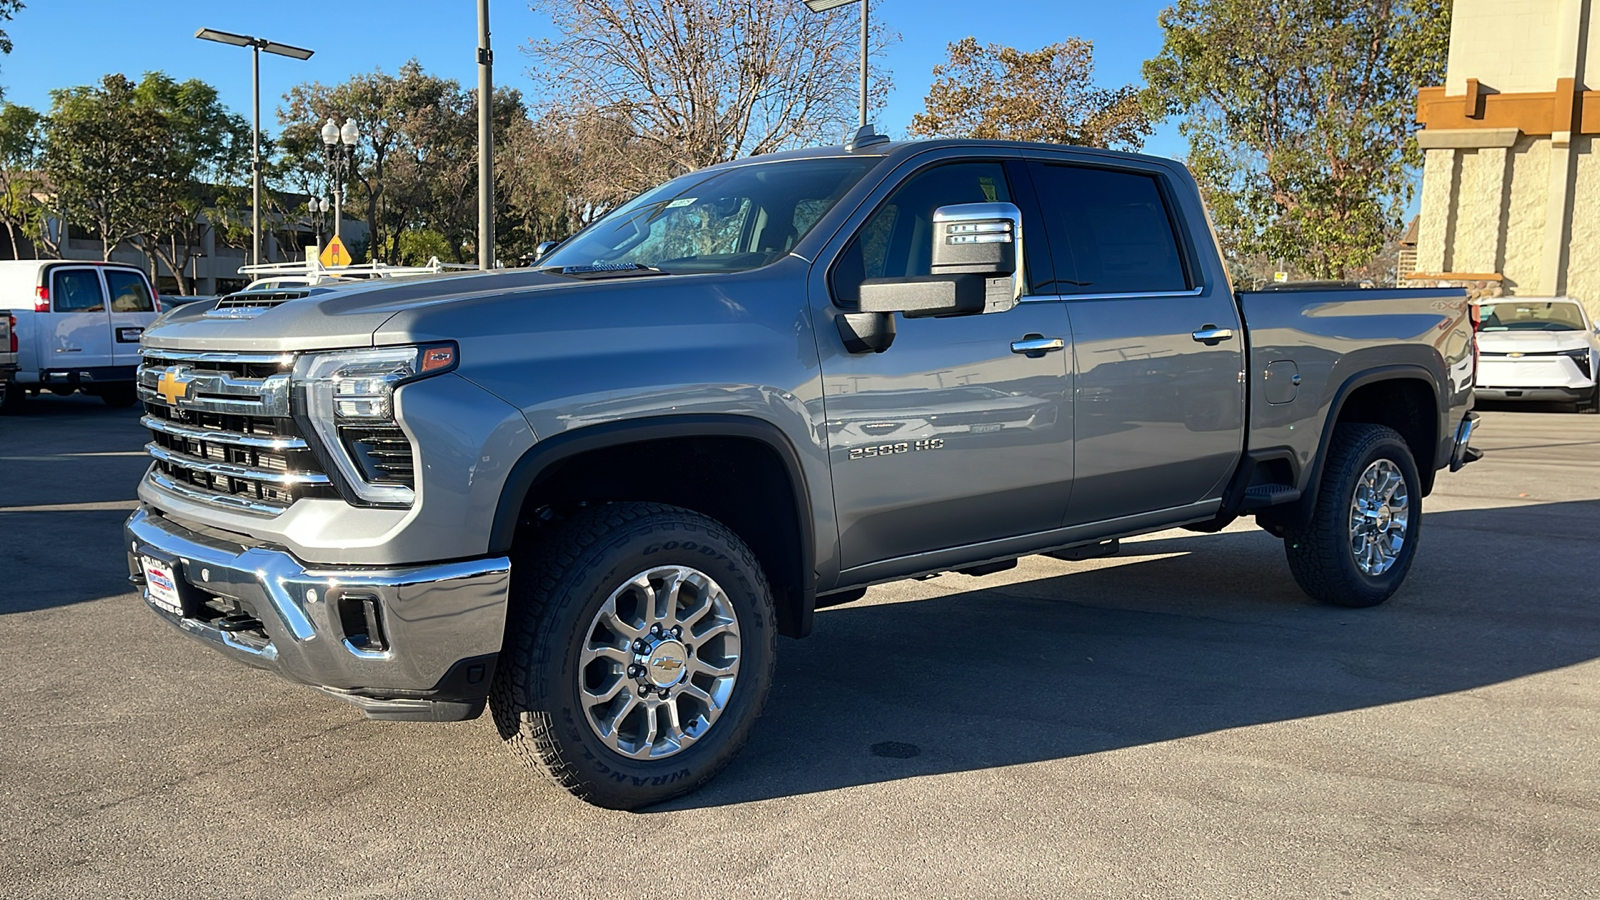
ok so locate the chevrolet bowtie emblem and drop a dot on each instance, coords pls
(667, 663)
(174, 385)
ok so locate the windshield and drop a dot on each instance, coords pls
(725, 221)
(1559, 315)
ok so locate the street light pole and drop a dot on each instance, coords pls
(256, 45)
(863, 62)
(485, 141)
(255, 154)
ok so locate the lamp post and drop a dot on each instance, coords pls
(339, 147)
(485, 141)
(256, 45)
(824, 6)
(319, 207)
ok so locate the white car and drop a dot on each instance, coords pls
(1538, 348)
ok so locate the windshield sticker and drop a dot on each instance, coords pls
(681, 201)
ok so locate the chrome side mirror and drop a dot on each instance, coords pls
(974, 266)
(543, 249)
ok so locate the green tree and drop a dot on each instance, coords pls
(416, 162)
(1001, 93)
(100, 152)
(199, 168)
(19, 179)
(1299, 117)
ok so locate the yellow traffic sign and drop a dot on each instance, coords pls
(335, 255)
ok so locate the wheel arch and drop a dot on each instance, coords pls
(1416, 414)
(609, 461)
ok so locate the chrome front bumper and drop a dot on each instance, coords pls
(440, 625)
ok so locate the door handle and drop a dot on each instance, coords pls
(1211, 335)
(1035, 344)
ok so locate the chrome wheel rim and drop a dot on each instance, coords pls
(1379, 514)
(659, 662)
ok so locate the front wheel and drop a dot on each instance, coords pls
(1592, 403)
(638, 654)
(1358, 545)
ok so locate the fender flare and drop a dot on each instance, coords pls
(794, 621)
(1300, 511)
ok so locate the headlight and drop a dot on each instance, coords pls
(348, 399)
(1581, 357)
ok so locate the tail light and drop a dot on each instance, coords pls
(41, 299)
(13, 333)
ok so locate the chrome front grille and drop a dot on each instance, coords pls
(223, 432)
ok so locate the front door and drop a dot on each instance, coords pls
(949, 437)
(78, 330)
(1159, 356)
(132, 309)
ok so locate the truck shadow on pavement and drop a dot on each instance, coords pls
(1177, 637)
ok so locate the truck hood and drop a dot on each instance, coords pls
(1533, 341)
(331, 318)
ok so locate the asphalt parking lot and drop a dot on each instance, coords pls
(1177, 721)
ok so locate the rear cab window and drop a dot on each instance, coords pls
(1110, 231)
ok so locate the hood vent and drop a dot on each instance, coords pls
(249, 304)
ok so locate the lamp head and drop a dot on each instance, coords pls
(349, 133)
(330, 133)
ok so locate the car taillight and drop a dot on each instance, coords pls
(13, 333)
(41, 299)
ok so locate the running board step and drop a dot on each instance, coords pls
(1260, 496)
(1087, 551)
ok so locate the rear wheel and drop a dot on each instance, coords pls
(638, 654)
(1358, 545)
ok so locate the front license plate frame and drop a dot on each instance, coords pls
(161, 584)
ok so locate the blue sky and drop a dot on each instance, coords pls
(60, 43)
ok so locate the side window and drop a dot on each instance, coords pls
(129, 293)
(77, 290)
(1110, 232)
(897, 240)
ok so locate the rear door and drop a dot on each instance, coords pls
(77, 330)
(133, 308)
(1159, 355)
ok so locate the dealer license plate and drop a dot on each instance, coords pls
(160, 581)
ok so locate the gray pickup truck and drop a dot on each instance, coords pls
(591, 495)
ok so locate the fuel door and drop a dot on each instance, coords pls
(1281, 382)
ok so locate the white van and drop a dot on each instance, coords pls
(78, 326)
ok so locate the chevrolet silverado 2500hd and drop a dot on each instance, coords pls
(592, 495)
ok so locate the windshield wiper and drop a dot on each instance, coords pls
(605, 270)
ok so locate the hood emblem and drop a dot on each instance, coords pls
(173, 385)
(1516, 354)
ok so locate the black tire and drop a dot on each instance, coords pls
(1320, 555)
(558, 586)
(119, 396)
(11, 397)
(1591, 405)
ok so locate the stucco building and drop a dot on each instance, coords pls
(1511, 183)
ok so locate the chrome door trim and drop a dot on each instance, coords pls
(1037, 298)
(1038, 345)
